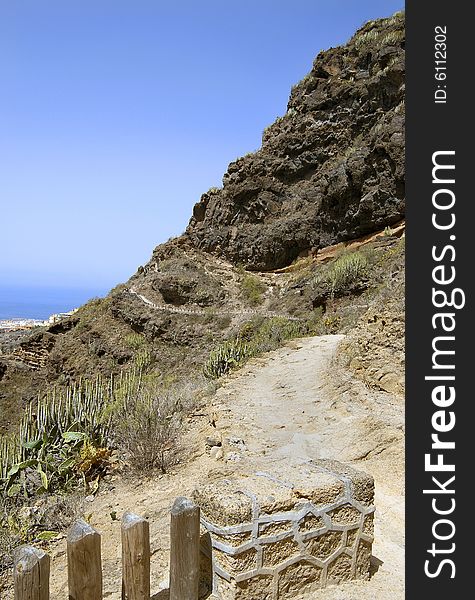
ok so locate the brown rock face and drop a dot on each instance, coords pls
(331, 169)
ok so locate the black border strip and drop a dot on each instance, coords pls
(439, 127)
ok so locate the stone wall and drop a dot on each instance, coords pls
(278, 535)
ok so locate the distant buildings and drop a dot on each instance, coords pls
(19, 324)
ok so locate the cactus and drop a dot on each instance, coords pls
(57, 428)
(225, 357)
(347, 270)
(252, 340)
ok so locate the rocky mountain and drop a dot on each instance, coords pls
(329, 171)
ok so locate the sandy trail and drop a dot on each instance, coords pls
(294, 405)
(288, 406)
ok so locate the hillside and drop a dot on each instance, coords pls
(330, 170)
(289, 280)
(324, 417)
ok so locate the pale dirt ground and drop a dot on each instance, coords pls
(292, 404)
(295, 404)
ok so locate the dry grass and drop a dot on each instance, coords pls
(149, 427)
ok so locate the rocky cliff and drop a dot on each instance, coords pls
(330, 170)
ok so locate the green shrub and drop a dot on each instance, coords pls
(347, 269)
(273, 333)
(332, 323)
(397, 18)
(134, 341)
(143, 359)
(148, 427)
(366, 39)
(392, 38)
(252, 289)
(375, 36)
(344, 272)
(314, 323)
(250, 328)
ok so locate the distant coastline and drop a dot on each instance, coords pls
(21, 324)
(24, 307)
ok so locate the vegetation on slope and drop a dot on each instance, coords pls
(328, 172)
(69, 439)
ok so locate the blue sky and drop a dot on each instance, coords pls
(115, 115)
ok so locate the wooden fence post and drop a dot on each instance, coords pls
(135, 557)
(84, 562)
(184, 550)
(31, 574)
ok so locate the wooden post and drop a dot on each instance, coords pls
(135, 558)
(84, 562)
(31, 574)
(184, 550)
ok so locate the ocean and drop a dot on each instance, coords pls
(41, 302)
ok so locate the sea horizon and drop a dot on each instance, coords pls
(40, 302)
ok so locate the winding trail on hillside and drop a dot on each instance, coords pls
(183, 310)
(290, 405)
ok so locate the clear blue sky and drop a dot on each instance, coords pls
(115, 115)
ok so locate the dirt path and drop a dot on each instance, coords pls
(295, 404)
(183, 310)
(291, 405)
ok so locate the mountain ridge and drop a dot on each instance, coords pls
(329, 171)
